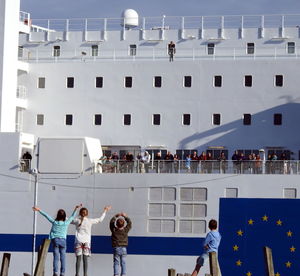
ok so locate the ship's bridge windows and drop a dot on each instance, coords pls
(128, 82)
(277, 119)
(250, 48)
(157, 81)
(279, 80)
(290, 193)
(193, 194)
(97, 119)
(95, 50)
(69, 119)
(247, 119)
(156, 119)
(216, 119)
(187, 81)
(41, 82)
(186, 119)
(211, 48)
(291, 47)
(99, 82)
(132, 50)
(70, 82)
(56, 51)
(192, 226)
(217, 81)
(40, 119)
(127, 119)
(248, 81)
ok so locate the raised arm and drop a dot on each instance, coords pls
(105, 210)
(71, 218)
(37, 209)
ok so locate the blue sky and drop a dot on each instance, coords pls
(113, 8)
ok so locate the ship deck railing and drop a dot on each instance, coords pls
(155, 54)
(167, 23)
(287, 167)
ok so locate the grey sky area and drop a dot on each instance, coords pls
(113, 8)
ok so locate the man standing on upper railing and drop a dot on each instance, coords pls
(171, 50)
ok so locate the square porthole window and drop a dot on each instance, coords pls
(291, 49)
(70, 82)
(99, 82)
(290, 193)
(97, 119)
(157, 81)
(56, 51)
(277, 119)
(69, 119)
(217, 81)
(156, 119)
(187, 81)
(250, 48)
(41, 82)
(248, 81)
(279, 80)
(247, 119)
(128, 82)
(127, 119)
(210, 48)
(186, 119)
(231, 192)
(40, 119)
(216, 119)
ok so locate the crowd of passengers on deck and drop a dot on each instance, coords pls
(194, 163)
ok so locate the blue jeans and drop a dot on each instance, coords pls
(59, 252)
(120, 254)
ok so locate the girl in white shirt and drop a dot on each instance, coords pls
(83, 237)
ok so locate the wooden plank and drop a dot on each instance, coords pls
(269, 261)
(213, 264)
(187, 274)
(207, 275)
(171, 272)
(5, 264)
(179, 274)
(40, 266)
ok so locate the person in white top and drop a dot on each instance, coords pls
(83, 237)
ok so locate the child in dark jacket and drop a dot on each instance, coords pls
(120, 225)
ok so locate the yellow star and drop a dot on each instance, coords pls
(279, 222)
(290, 233)
(265, 218)
(238, 263)
(277, 274)
(293, 249)
(235, 248)
(288, 264)
(250, 221)
(240, 232)
(248, 273)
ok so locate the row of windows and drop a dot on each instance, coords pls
(156, 119)
(132, 49)
(157, 81)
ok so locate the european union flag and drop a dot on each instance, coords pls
(247, 225)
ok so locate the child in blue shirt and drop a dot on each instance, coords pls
(58, 236)
(211, 244)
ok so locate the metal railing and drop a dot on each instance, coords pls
(201, 52)
(199, 167)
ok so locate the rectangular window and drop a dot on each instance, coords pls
(127, 120)
(157, 81)
(95, 50)
(217, 81)
(56, 51)
(99, 82)
(128, 82)
(186, 119)
(156, 119)
(248, 80)
(40, 119)
(69, 119)
(279, 80)
(250, 48)
(210, 48)
(216, 119)
(187, 81)
(97, 119)
(247, 119)
(70, 82)
(132, 50)
(291, 47)
(20, 51)
(277, 119)
(41, 82)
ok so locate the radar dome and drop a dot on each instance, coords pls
(130, 18)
